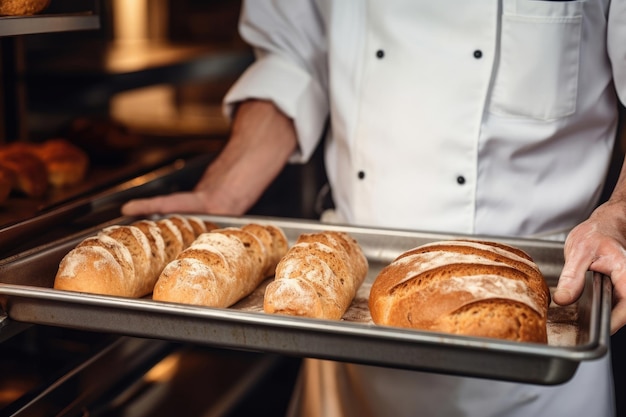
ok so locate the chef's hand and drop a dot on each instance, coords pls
(259, 146)
(597, 244)
(197, 201)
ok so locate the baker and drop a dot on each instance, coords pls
(482, 117)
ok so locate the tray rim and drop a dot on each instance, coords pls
(575, 353)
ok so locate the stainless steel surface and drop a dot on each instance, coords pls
(27, 296)
(28, 25)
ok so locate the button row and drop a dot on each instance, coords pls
(380, 54)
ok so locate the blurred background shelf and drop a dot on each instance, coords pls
(58, 16)
(14, 26)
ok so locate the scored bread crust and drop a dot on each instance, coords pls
(273, 240)
(255, 250)
(221, 266)
(122, 260)
(464, 287)
(157, 248)
(318, 277)
(173, 238)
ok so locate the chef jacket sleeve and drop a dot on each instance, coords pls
(617, 45)
(290, 66)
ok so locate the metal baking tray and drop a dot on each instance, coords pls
(576, 333)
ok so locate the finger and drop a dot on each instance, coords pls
(572, 280)
(178, 202)
(618, 316)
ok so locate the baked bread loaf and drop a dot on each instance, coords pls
(29, 172)
(122, 260)
(273, 240)
(221, 267)
(318, 277)
(35, 167)
(468, 287)
(66, 164)
(22, 7)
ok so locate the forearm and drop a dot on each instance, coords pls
(260, 144)
(619, 191)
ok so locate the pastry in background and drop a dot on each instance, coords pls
(65, 163)
(30, 173)
(22, 7)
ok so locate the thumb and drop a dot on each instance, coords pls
(572, 280)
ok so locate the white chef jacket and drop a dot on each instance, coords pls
(486, 117)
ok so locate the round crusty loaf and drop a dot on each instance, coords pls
(476, 288)
(218, 269)
(318, 277)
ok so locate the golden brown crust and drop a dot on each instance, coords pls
(22, 7)
(123, 260)
(218, 269)
(197, 225)
(91, 269)
(157, 247)
(187, 231)
(433, 286)
(139, 247)
(516, 321)
(173, 238)
(254, 247)
(318, 277)
(273, 240)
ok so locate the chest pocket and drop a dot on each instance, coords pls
(537, 71)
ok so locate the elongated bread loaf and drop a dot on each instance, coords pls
(318, 277)
(125, 260)
(221, 267)
(468, 287)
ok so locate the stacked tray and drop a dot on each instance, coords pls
(576, 333)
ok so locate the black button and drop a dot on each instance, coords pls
(380, 53)
(361, 175)
(478, 54)
(460, 179)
